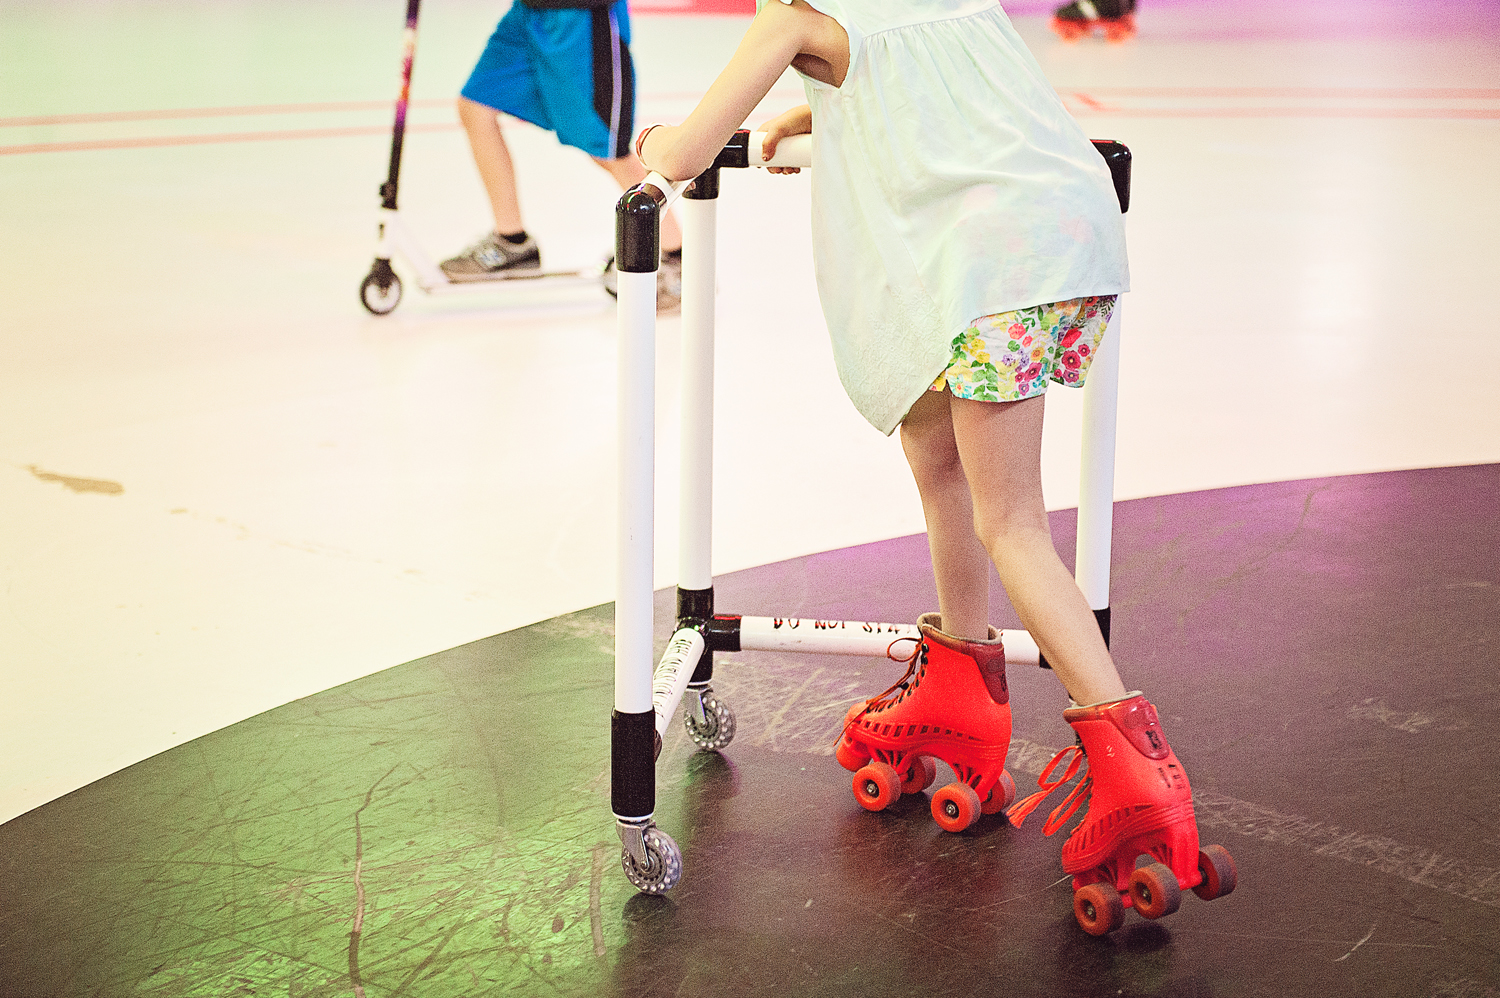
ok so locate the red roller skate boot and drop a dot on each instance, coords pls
(952, 705)
(1139, 803)
(1114, 18)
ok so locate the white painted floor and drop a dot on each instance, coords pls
(225, 486)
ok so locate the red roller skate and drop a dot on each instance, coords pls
(952, 705)
(1139, 804)
(1114, 18)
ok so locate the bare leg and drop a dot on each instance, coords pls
(1000, 446)
(628, 171)
(959, 562)
(492, 157)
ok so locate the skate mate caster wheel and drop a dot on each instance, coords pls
(661, 866)
(716, 730)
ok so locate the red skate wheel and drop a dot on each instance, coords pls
(877, 786)
(1002, 795)
(955, 807)
(1154, 890)
(1219, 873)
(1070, 31)
(1098, 909)
(923, 772)
(850, 756)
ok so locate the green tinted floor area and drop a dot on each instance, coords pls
(1322, 653)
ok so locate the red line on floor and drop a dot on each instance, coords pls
(161, 141)
(91, 118)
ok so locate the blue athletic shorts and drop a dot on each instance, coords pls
(567, 71)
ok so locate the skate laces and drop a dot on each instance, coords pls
(1018, 811)
(884, 700)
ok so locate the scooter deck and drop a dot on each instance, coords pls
(501, 277)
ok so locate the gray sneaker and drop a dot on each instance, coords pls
(668, 282)
(493, 258)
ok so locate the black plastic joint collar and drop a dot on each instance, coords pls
(694, 606)
(722, 633)
(736, 152)
(638, 230)
(705, 188)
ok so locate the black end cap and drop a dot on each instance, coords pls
(637, 232)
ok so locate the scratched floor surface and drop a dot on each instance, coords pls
(1322, 652)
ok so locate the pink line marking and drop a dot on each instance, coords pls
(161, 141)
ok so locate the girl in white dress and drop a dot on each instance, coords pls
(969, 247)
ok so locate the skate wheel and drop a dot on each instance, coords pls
(849, 755)
(1069, 31)
(1218, 871)
(1002, 795)
(877, 786)
(923, 772)
(955, 807)
(1154, 891)
(1098, 909)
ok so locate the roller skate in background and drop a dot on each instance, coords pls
(1139, 804)
(951, 705)
(1114, 18)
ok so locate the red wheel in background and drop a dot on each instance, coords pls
(1002, 795)
(923, 772)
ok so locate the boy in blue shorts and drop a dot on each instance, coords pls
(563, 65)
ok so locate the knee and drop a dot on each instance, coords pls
(1011, 530)
(934, 466)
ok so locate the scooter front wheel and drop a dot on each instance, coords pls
(380, 293)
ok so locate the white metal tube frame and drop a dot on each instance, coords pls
(647, 697)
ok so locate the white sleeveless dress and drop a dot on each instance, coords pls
(949, 183)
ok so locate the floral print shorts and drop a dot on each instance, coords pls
(1012, 355)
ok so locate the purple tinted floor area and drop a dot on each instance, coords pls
(1323, 654)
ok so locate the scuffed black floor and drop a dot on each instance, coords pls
(1323, 654)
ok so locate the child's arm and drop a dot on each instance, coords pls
(779, 34)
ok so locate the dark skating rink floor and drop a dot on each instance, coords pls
(1322, 652)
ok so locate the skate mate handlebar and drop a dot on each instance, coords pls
(792, 151)
(743, 150)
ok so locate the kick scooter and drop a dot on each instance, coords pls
(380, 291)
